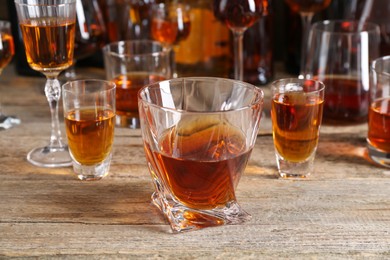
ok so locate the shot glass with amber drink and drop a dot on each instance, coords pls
(296, 114)
(89, 111)
(379, 113)
(198, 136)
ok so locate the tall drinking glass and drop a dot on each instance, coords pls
(238, 15)
(198, 136)
(48, 30)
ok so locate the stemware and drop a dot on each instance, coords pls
(306, 10)
(90, 32)
(170, 25)
(238, 15)
(48, 30)
(7, 51)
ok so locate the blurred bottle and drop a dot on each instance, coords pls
(127, 19)
(207, 50)
(375, 11)
(258, 48)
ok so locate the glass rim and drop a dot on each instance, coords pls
(381, 60)
(369, 27)
(298, 81)
(109, 85)
(107, 49)
(259, 98)
(44, 2)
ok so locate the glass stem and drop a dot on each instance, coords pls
(306, 23)
(238, 55)
(53, 94)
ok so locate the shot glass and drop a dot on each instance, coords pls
(89, 111)
(296, 112)
(198, 136)
(379, 114)
(132, 65)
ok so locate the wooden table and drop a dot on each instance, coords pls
(341, 211)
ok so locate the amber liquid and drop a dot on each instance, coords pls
(238, 13)
(49, 43)
(169, 32)
(308, 6)
(90, 134)
(296, 124)
(379, 124)
(7, 49)
(346, 100)
(127, 87)
(202, 164)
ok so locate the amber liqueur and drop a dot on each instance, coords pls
(379, 124)
(201, 166)
(7, 50)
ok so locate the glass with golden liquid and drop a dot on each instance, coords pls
(48, 30)
(131, 65)
(89, 112)
(198, 136)
(296, 114)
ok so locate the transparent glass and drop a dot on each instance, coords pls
(379, 114)
(89, 112)
(198, 135)
(132, 65)
(7, 51)
(48, 30)
(339, 54)
(296, 113)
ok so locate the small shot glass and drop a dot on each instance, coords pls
(296, 113)
(89, 112)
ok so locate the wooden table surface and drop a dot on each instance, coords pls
(341, 211)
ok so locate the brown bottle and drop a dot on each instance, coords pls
(207, 50)
(258, 48)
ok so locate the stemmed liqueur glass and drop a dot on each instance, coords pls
(90, 32)
(48, 30)
(306, 10)
(170, 25)
(238, 15)
(7, 51)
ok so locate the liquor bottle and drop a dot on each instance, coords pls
(258, 48)
(207, 50)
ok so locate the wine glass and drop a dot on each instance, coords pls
(90, 32)
(170, 25)
(238, 15)
(306, 10)
(7, 51)
(48, 30)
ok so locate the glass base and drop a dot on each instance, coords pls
(50, 157)
(92, 172)
(379, 157)
(182, 218)
(297, 170)
(127, 121)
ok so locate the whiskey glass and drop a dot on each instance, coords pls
(296, 112)
(198, 136)
(48, 30)
(7, 51)
(378, 137)
(339, 54)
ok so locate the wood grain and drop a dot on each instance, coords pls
(342, 211)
